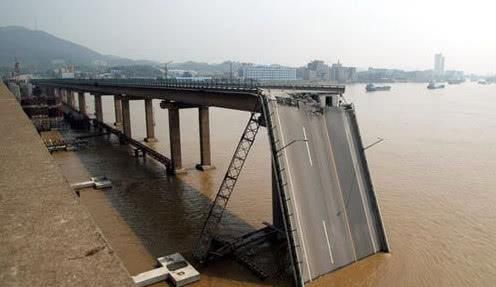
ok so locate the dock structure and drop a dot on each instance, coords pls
(47, 237)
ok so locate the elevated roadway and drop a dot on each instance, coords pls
(332, 207)
(236, 95)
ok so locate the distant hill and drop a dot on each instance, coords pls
(38, 50)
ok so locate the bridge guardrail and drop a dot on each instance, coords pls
(217, 84)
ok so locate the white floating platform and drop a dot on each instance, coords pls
(98, 182)
(101, 182)
(174, 267)
(151, 277)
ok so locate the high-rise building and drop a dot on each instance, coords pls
(439, 64)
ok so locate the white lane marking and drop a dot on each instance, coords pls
(340, 190)
(328, 243)
(292, 193)
(308, 148)
(359, 176)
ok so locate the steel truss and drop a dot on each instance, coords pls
(201, 252)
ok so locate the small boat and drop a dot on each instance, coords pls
(373, 88)
(433, 86)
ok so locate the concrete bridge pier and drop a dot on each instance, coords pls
(82, 103)
(98, 108)
(204, 127)
(126, 117)
(118, 111)
(73, 99)
(175, 141)
(62, 95)
(57, 95)
(150, 122)
(70, 98)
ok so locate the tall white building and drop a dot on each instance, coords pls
(439, 64)
(269, 73)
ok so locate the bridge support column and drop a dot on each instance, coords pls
(175, 141)
(150, 124)
(118, 111)
(70, 98)
(63, 96)
(73, 99)
(205, 155)
(126, 117)
(98, 108)
(82, 103)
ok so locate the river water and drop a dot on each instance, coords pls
(434, 176)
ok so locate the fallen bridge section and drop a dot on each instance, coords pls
(331, 213)
(47, 238)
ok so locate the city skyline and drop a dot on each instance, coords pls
(295, 33)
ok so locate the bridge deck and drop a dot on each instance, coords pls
(231, 95)
(332, 205)
(47, 238)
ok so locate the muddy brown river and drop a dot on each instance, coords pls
(434, 176)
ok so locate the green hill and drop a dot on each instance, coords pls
(38, 50)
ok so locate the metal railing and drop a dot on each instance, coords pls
(214, 84)
(239, 85)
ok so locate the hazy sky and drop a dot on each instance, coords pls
(380, 33)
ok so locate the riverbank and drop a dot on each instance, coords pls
(46, 237)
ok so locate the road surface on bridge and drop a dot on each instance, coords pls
(334, 210)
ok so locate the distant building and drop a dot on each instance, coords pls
(317, 70)
(439, 64)
(268, 73)
(454, 75)
(341, 74)
(375, 75)
(300, 73)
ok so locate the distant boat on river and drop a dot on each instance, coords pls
(433, 86)
(373, 88)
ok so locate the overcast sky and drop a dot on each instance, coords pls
(380, 33)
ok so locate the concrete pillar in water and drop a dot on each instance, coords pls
(175, 141)
(150, 124)
(73, 99)
(70, 98)
(205, 155)
(98, 108)
(118, 111)
(62, 95)
(82, 103)
(126, 117)
(56, 94)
